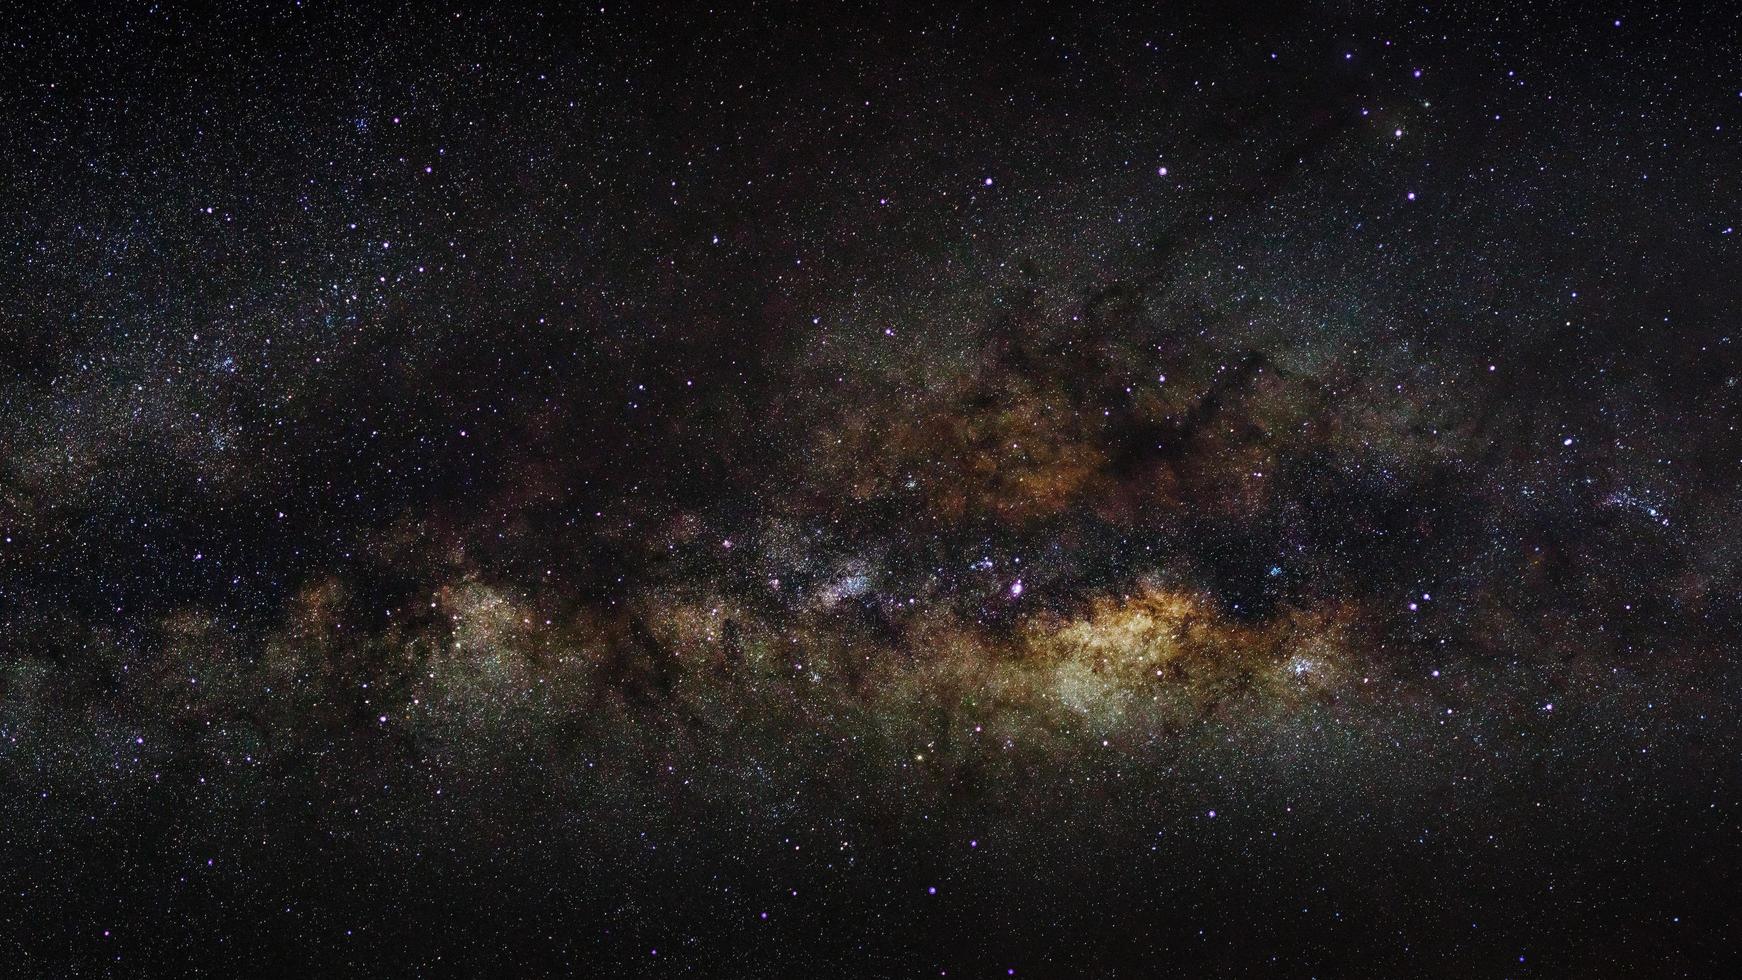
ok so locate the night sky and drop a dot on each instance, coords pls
(1109, 490)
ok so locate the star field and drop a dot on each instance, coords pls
(1101, 490)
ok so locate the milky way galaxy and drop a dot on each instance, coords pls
(799, 491)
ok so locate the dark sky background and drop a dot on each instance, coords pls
(809, 490)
